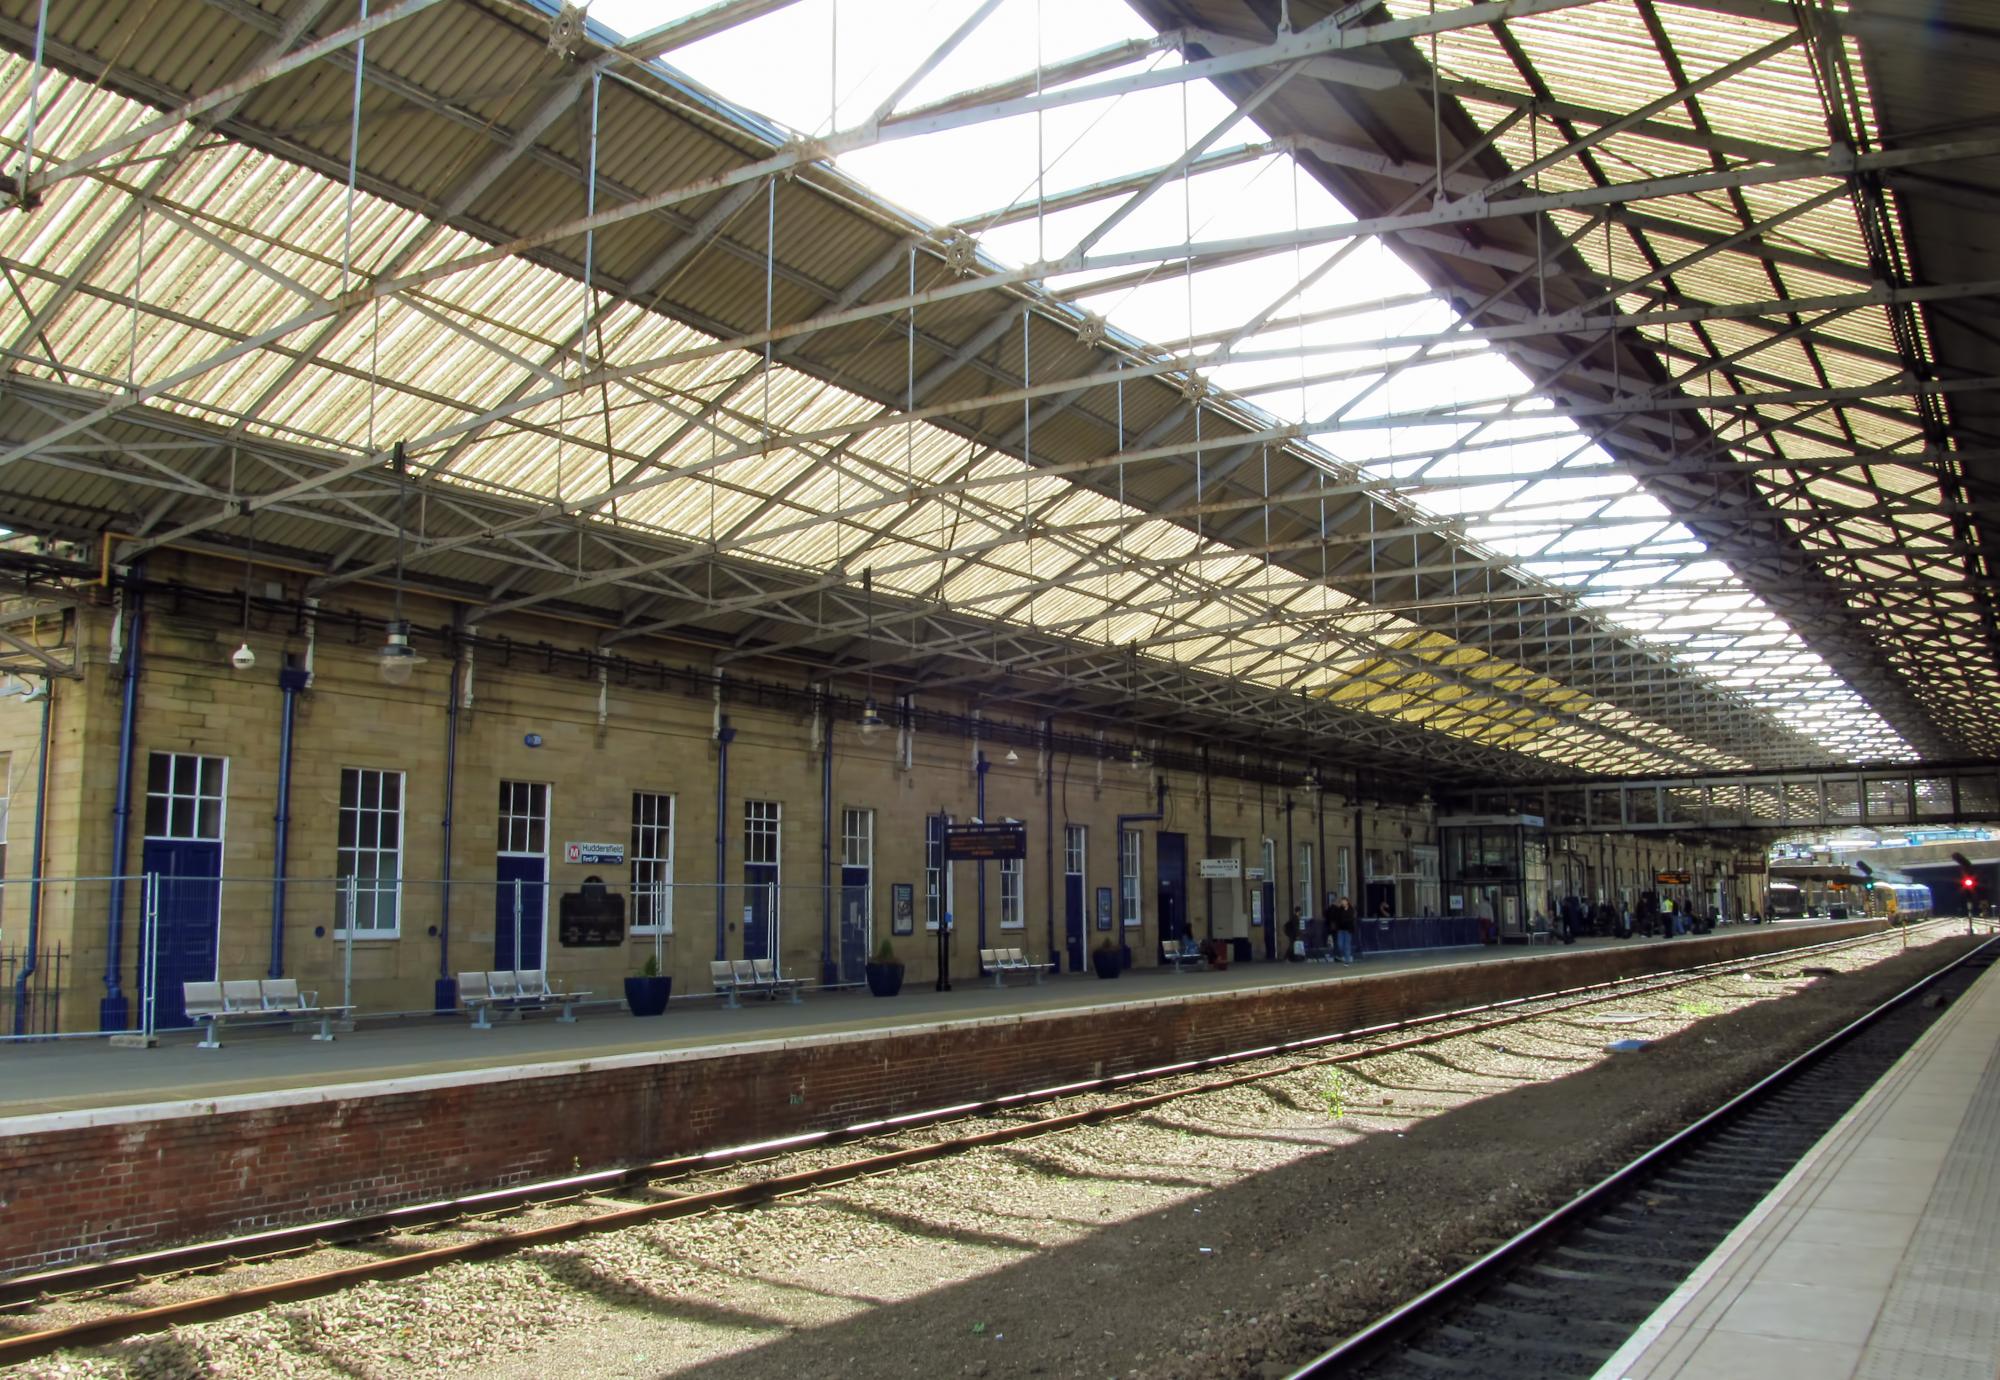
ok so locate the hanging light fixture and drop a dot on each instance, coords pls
(871, 717)
(1013, 756)
(243, 658)
(1136, 759)
(396, 660)
(1311, 779)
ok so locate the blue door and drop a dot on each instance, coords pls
(1173, 886)
(1073, 918)
(758, 881)
(188, 913)
(853, 923)
(1274, 923)
(532, 874)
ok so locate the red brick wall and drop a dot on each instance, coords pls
(108, 1190)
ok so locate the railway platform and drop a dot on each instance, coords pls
(1878, 1256)
(81, 1074)
(118, 1150)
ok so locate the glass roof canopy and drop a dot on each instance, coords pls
(1326, 343)
(1543, 495)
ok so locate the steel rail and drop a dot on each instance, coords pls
(29, 1289)
(1372, 1340)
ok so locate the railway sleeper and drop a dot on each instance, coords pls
(1608, 1301)
(1608, 1332)
(1630, 1276)
(1701, 1167)
(1662, 1256)
(1542, 1348)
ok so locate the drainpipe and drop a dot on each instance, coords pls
(1049, 841)
(291, 680)
(983, 764)
(724, 736)
(1291, 887)
(114, 1011)
(1360, 872)
(445, 991)
(1157, 813)
(1207, 833)
(48, 698)
(1326, 882)
(829, 974)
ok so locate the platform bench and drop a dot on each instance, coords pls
(765, 982)
(1181, 955)
(212, 1004)
(757, 977)
(513, 992)
(998, 963)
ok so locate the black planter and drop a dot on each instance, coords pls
(647, 996)
(1105, 963)
(884, 979)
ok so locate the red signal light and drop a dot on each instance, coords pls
(1967, 882)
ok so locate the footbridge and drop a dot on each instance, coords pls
(1882, 796)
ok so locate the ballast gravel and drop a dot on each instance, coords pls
(1233, 1234)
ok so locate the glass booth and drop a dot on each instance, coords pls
(1496, 867)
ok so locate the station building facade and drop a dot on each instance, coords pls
(510, 797)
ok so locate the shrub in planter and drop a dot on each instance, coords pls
(646, 994)
(1106, 960)
(884, 971)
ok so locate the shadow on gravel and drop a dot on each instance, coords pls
(1160, 1175)
(937, 1231)
(1336, 1237)
(574, 1271)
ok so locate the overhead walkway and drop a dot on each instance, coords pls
(1777, 802)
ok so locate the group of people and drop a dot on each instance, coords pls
(1338, 934)
(1652, 916)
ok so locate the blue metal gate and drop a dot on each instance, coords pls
(1173, 886)
(532, 874)
(1073, 919)
(187, 916)
(853, 922)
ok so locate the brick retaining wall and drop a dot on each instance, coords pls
(239, 1164)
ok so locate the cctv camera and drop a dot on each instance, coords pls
(243, 658)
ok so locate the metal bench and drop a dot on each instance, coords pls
(514, 993)
(722, 977)
(213, 1004)
(998, 963)
(764, 975)
(1181, 955)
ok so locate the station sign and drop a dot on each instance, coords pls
(1673, 878)
(1222, 867)
(985, 842)
(594, 854)
(1253, 874)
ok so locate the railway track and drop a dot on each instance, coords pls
(1559, 1298)
(585, 1204)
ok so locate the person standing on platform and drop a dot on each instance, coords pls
(1294, 946)
(1341, 915)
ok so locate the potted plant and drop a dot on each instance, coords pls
(1106, 960)
(647, 993)
(884, 971)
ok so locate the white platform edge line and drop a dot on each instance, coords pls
(1663, 1318)
(132, 1113)
(121, 1114)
